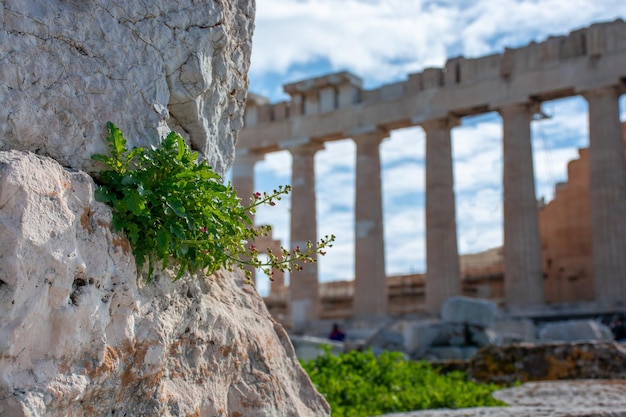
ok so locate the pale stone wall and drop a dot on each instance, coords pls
(566, 236)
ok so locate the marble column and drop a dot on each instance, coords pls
(370, 281)
(443, 277)
(243, 175)
(303, 286)
(607, 191)
(523, 270)
(243, 183)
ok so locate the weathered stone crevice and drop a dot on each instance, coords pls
(94, 340)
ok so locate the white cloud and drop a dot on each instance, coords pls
(479, 220)
(376, 40)
(386, 39)
(511, 23)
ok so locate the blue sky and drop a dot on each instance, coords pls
(382, 41)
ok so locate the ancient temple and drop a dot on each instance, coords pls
(589, 62)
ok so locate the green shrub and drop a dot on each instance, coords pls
(360, 384)
(174, 207)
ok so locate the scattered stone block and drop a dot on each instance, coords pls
(309, 347)
(419, 336)
(469, 310)
(479, 336)
(451, 334)
(575, 330)
(512, 331)
(386, 339)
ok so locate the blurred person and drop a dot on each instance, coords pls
(337, 334)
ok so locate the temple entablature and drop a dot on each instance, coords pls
(328, 106)
(324, 94)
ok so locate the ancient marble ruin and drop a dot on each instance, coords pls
(565, 229)
(590, 62)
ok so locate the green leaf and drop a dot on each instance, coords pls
(134, 153)
(134, 202)
(173, 206)
(163, 241)
(177, 230)
(116, 139)
(103, 194)
(181, 147)
(176, 206)
(103, 158)
(133, 233)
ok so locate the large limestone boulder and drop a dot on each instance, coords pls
(575, 330)
(419, 336)
(79, 336)
(474, 311)
(515, 330)
(68, 67)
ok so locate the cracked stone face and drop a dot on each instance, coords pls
(80, 335)
(68, 67)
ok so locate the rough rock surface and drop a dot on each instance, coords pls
(548, 361)
(586, 398)
(68, 67)
(80, 337)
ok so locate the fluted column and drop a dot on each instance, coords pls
(243, 183)
(243, 175)
(303, 286)
(443, 277)
(370, 281)
(607, 191)
(523, 271)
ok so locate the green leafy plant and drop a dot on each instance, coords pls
(360, 384)
(174, 207)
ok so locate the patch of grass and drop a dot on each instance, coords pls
(360, 384)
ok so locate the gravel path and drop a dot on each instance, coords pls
(579, 398)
